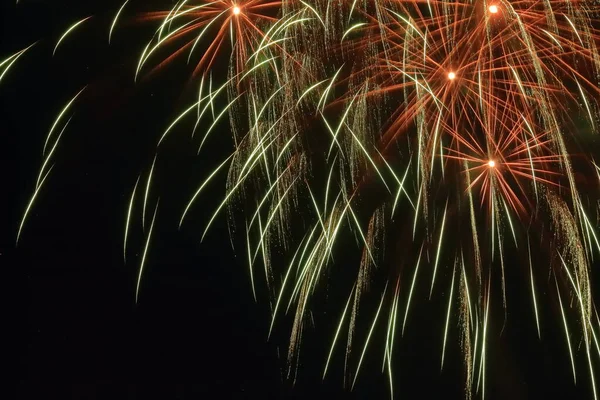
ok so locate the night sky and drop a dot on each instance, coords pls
(196, 331)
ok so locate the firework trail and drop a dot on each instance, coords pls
(450, 129)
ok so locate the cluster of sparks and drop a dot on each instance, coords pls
(387, 122)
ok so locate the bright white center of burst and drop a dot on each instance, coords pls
(236, 10)
(491, 163)
(493, 9)
(451, 75)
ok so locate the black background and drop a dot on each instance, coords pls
(196, 331)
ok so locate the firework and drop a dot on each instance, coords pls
(211, 25)
(450, 129)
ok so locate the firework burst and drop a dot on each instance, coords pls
(211, 25)
(448, 128)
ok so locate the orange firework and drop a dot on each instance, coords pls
(486, 78)
(207, 27)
